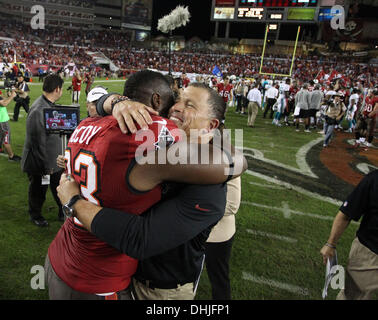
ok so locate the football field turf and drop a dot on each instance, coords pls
(281, 225)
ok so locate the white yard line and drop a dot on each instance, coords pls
(288, 212)
(275, 284)
(298, 189)
(285, 211)
(267, 186)
(272, 236)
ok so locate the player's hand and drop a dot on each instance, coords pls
(128, 113)
(327, 253)
(60, 162)
(13, 93)
(67, 188)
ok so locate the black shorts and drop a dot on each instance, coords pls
(312, 112)
(304, 114)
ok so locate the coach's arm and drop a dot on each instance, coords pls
(165, 226)
(212, 166)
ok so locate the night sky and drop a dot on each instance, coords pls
(199, 25)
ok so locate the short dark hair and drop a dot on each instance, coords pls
(51, 82)
(143, 84)
(215, 101)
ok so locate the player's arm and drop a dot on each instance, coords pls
(5, 102)
(165, 226)
(216, 166)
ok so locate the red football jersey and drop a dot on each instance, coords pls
(225, 92)
(55, 123)
(98, 156)
(76, 84)
(369, 105)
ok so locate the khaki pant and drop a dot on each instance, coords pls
(59, 290)
(361, 276)
(253, 109)
(184, 292)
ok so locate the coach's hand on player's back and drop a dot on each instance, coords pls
(129, 113)
(67, 188)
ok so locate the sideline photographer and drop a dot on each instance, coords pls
(22, 99)
(40, 152)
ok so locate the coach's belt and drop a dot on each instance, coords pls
(159, 285)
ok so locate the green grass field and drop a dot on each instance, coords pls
(286, 267)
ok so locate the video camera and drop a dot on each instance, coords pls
(61, 120)
(9, 83)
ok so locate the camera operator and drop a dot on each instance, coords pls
(41, 150)
(22, 99)
(4, 127)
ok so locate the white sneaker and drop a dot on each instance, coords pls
(307, 130)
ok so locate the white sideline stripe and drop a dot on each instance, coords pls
(298, 189)
(285, 211)
(275, 284)
(272, 235)
(301, 157)
(267, 186)
(257, 154)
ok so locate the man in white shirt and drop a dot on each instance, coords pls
(254, 98)
(271, 96)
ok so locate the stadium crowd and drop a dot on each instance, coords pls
(65, 45)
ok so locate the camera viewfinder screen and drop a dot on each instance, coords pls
(61, 119)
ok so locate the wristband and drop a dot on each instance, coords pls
(100, 104)
(330, 245)
(117, 100)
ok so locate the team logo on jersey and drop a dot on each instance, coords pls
(165, 138)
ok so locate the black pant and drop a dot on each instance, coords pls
(37, 194)
(239, 101)
(217, 265)
(20, 103)
(269, 105)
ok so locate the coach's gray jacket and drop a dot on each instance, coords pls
(316, 98)
(40, 149)
(302, 99)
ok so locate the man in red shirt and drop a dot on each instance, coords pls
(225, 89)
(76, 87)
(366, 120)
(185, 80)
(88, 80)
